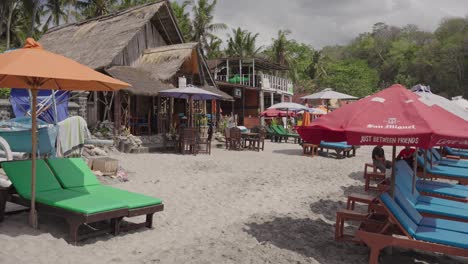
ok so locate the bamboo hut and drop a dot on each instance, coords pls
(142, 46)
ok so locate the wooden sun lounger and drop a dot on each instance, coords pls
(379, 231)
(66, 171)
(74, 219)
(341, 150)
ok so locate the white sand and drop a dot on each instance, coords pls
(275, 206)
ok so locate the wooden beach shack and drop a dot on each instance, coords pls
(144, 47)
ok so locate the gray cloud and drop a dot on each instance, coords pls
(329, 22)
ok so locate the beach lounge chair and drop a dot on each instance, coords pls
(444, 190)
(75, 207)
(444, 172)
(422, 202)
(75, 175)
(439, 160)
(280, 134)
(342, 149)
(463, 154)
(273, 135)
(428, 234)
(286, 133)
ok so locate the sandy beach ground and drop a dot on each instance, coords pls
(275, 206)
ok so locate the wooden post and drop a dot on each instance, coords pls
(227, 70)
(240, 72)
(253, 74)
(191, 111)
(117, 113)
(159, 124)
(243, 105)
(33, 213)
(262, 106)
(393, 171)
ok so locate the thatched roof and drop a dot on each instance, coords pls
(96, 42)
(226, 97)
(141, 81)
(164, 62)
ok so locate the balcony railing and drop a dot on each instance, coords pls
(264, 81)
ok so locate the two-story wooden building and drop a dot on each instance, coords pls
(255, 83)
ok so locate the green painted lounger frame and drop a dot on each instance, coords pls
(75, 175)
(428, 234)
(76, 208)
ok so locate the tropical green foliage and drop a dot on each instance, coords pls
(351, 77)
(183, 19)
(242, 43)
(202, 22)
(404, 55)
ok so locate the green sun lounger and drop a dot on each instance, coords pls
(75, 175)
(77, 208)
(286, 135)
(273, 135)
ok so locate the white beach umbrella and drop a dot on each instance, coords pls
(286, 106)
(430, 99)
(328, 94)
(462, 102)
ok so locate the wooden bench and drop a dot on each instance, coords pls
(309, 149)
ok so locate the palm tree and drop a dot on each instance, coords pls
(55, 11)
(242, 43)
(214, 45)
(95, 8)
(183, 19)
(279, 47)
(203, 24)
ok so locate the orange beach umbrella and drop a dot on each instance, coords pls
(34, 68)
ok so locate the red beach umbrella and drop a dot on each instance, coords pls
(393, 117)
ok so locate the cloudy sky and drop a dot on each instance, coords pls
(329, 22)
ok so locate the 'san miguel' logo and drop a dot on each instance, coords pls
(392, 123)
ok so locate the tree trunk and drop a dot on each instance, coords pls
(35, 4)
(11, 9)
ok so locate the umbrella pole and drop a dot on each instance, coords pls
(415, 167)
(33, 213)
(393, 171)
(425, 164)
(191, 111)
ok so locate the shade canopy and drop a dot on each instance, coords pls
(286, 106)
(190, 92)
(462, 102)
(20, 68)
(394, 116)
(35, 68)
(431, 99)
(328, 93)
(276, 113)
